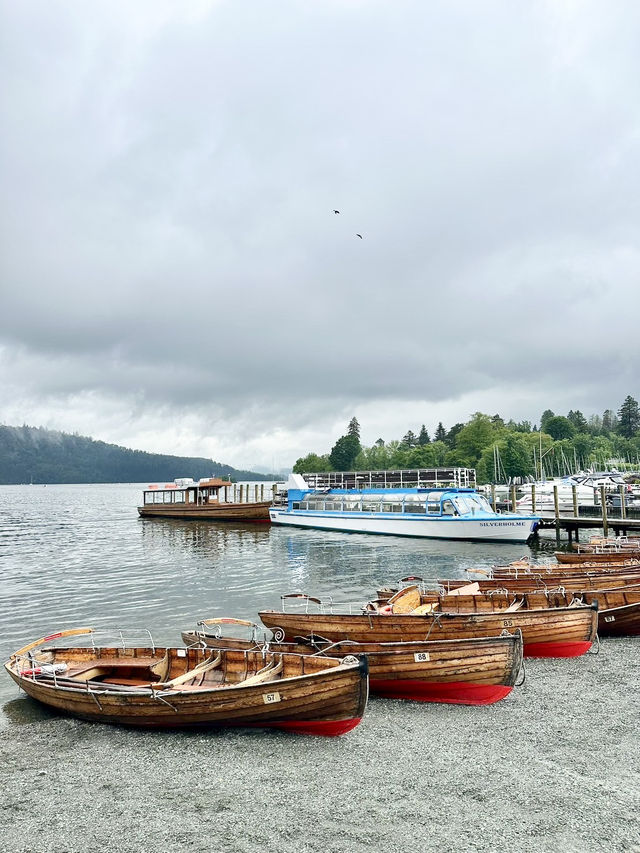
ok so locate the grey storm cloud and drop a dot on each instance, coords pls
(170, 173)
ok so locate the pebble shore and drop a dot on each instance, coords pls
(553, 768)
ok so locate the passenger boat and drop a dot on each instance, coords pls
(187, 499)
(546, 632)
(177, 688)
(476, 671)
(434, 513)
(618, 610)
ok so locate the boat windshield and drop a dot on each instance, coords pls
(471, 504)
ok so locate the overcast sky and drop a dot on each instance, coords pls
(174, 278)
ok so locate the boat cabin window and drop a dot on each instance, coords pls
(471, 504)
(433, 507)
(333, 506)
(352, 503)
(391, 506)
(371, 504)
(415, 506)
(448, 508)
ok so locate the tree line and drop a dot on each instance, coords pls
(499, 450)
(33, 454)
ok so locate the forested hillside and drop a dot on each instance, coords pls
(33, 454)
(499, 450)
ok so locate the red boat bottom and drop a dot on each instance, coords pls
(556, 650)
(327, 728)
(451, 692)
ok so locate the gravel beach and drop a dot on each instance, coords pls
(553, 767)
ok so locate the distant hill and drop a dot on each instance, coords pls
(33, 454)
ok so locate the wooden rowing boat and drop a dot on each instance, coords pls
(521, 568)
(476, 671)
(618, 610)
(547, 632)
(177, 688)
(539, 583)
(624, 556)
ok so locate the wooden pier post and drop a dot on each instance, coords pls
(241, 493)
(623, 505)
(235, 493)
(493, 496)
(533, 498)
(556, 509)
(605, 520)
(513, 498)
(574, 494)
(262, 496)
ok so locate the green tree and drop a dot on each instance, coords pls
(546, 416)
(344, 452)
(578, 420)
(423, 438)
(472, 439)
(629, 418)
(312, 463)
(409, 439)
(354, 428)
(440, 433)
(559, 427)
(451, 436)
(609, 421)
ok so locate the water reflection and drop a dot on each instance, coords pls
(80, 555)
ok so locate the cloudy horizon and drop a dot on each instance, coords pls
(174, 278)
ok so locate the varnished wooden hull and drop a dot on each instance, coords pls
(551, 583)
(618, 609)
(600, 557)
(466, 672)
(258, 512)
(562, 632)
(566, 570)
(326, 697)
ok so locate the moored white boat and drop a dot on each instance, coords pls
(443, 513)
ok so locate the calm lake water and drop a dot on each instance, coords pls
(73, 555)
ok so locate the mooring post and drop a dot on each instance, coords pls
(513, 498)
(493, 496)
(623, 506)
(533, 498)
(605, 521)
(574, 493)
(556, 509)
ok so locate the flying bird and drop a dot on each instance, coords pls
(336, 211)
(359, 235)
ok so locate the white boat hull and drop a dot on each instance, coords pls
(508, 529)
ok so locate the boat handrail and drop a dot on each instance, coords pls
(324, 605)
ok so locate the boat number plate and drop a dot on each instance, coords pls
(181, 653)
(508, 623)
(421, 657)
(609, 618)
(270, 698)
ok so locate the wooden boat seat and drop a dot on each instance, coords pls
(467, 589)
(405, 600)
(191, 674)
(423, 609)
(265, 674)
